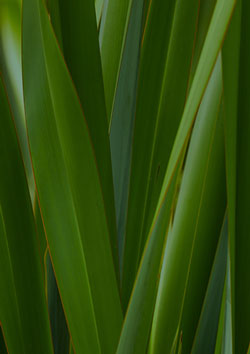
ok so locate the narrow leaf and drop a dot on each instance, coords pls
(170, 30)
(112, 34)
(23, 313)
(81, 51)
(69, 190)
(122, 123)
(242, 241)
(200, 187)
(206, 334)
(230, 64)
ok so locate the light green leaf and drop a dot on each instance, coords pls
(201, 188)
(98, 10)
(207, 231)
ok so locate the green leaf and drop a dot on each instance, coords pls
(230, 65)
(224, 342)
(206, 9)
(213, 42)
(59, 330)
(54, 13)
(11, 69)
(227, 344)
(98, 10)
(205, 339)
(71, 350)
(137, 322)
(112, 34)
(23, 314)
(69, 190)
(219, 339)
(169, 33)
(208, 228)
(242, 242)
(248, 351)
(41, 236)
(201, 187)
(80, 48)
(3, 349)
(58, 324)
(122, 123)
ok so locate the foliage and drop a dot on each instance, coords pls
(124, 185)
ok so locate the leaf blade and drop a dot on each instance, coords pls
(23, 312)
(68, 191)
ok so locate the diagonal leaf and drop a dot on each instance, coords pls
(98, 10)
(69, 190)
(224, 341)
(80, 47)
(206, 9)
(122, 121)
(205, 339)
(58, 324)
(136, 327)
(41, 236)
(216, 32)
(201, 187)
(169, 33)
(219, 339)
(59, 330)
(207, 231)
(112, 34)
(10, 67)
(230, 60)
(3, 349)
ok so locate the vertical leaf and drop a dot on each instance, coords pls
(122, 122)
(168, 35)
(112, 33)
(23, 313)
(58, 324)
(205, 339)
(242, 241)
(230, 65)
(136, 328)
(201, 187)
(81, 51)
(69, 190)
